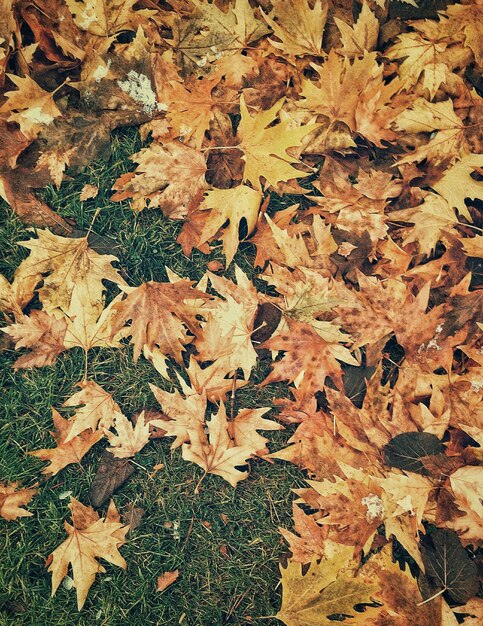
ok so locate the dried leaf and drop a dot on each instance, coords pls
(89, 538)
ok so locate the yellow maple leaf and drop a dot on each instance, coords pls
(56, 161)
(232, 205)
(265, 146)
(421, 56)
(325, 589)
(456, 184)
(294, 248)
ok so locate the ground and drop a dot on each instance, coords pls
(228, 565)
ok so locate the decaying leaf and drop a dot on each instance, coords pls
(66, 452)
(449, 567)
(12, 500)
(215, 452)
(167, 579)
(340, 140)
(89, 538)
(111, 474)
(322, 592)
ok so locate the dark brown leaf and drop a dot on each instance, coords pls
(111, 474)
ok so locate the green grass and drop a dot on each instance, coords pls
(228, 572)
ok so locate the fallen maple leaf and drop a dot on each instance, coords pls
(243, 429)
(360, 37)
(215, 452)
(456, 184)
(421, 56)
(66, 452)
(230, 205)
(43, 333)
(448, 135)
(95, 409)
(30, 106)
(226, 336)
(322, 592)
(170, 176)
(432, 219)
(354, 94)
(212, 380)
(167, 579)
(90, 538)
(128, 440)
(160, 316)
(13, 498)
(312, 543)
(66, 263)
(265, 146)
(309, 358)
(183, 414)
(466, 485)
(209, 32)
(298, 25)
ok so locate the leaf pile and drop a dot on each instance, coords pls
(363, 130)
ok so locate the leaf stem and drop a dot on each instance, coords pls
(197, 488)
(439, 593)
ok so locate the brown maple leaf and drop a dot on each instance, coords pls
(13, 498)
(66, 452)
(160, 315)
(43, 333)
(215, 452)
(313, 540)
(170, 176)
(309, 358)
